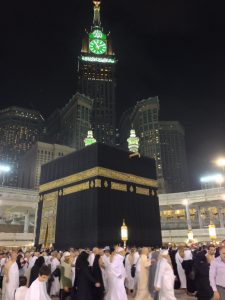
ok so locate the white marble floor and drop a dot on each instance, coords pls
(180, 295)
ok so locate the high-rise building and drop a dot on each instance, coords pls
(75, 121)
(20, 128)
(96, 78)
(162, 140)
(69, 126)
(53, 128)
(33, 159)
(144, 118)
(173, 153)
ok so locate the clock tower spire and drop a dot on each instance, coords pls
(96, 75)
(96, 20)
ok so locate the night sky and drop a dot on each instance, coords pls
(174, 49)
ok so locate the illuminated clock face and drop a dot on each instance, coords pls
(97, 46)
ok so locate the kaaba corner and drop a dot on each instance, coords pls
(85, 196)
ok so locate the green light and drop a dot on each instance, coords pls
(98, 59)
(97, 46)
(97, 34)
(89, 140)
(133, 142)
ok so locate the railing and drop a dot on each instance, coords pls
(174, 224)
(16, 239)
(200, 235)
(193, 196)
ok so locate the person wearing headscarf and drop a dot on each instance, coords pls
(20, 264)
(97, 273)
(55, 285)
(84, 280)
(152, 272)
(179, 257)
(129, 262)
(172, 253)
(37, 290)
(104, 264)
(39, 262)
(65, 276)
(142, 274)
(116, 276)
(187, 265)
(204, 290)
(11, 278)
(164, 278)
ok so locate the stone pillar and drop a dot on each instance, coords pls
(188, 216)
(200, 221)
(220, 215)
(35, 221)
(26, 222)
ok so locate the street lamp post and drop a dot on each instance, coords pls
(124, 234)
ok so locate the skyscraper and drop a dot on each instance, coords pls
(20, 128)
(162, 140)
(75, 121)
(144, 118)
(96, 78)
(173, 153)
(31, 162)
(69, 126)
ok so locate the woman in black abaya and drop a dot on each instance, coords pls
(36, 268)
(84, 281)
(204, 290)
(97, 273)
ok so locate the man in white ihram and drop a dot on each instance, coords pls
(164, 277)
(116, 276)
(11, 278)
(37, 290)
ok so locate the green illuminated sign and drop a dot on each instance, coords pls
(97, 34)
(98, 59)
(97, 46)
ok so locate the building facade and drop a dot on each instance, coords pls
(193, 209)
(18, 211)
(53, 128)
(20, 128)
(96, 79)
(69, 126)
(75, 121)
(144, 118)
(33, 159)
(162, 140)
(173, 154)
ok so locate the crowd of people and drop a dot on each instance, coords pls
(114, 274)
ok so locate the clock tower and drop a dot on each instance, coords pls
(96, 78)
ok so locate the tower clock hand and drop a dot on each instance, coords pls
(96, 44)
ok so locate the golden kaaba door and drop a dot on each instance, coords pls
(48, 219)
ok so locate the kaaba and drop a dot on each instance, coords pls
(86, 195)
